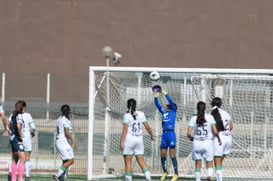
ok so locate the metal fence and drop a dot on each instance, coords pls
(44, 87)
(44, 95)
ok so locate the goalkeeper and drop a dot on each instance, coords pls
(168, 138)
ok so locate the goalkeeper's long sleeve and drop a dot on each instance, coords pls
(170, 100)
(157, 104)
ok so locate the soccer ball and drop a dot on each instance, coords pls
(154, 75)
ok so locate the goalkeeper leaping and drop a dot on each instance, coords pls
(168, 138)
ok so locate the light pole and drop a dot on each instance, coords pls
(107, 52)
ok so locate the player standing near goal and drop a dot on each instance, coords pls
(205, 129)
(28, 132)
(16, 141)
(132, 139)
(168, 138)
(64, 142)
(224, 127)
(4, 121)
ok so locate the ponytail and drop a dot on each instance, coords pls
(219, 123)
(131, 106)
(201, 107)
(216, 103)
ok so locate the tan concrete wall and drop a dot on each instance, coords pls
(67, 36)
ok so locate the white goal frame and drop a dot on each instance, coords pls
(200, 93)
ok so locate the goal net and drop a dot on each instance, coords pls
(247, 95)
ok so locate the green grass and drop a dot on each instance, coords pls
(48, 177)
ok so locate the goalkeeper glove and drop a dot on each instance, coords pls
(156, 94)
(156, 88)
(164, 92)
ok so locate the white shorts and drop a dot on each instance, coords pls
(27, 144)
(203, 150)
(224, 149)
(64, 149)
(133, 145)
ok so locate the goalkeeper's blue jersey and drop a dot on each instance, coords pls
(168, 116)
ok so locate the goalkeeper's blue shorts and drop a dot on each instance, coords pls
(168, 139)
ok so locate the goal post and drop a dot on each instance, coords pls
(247, 95)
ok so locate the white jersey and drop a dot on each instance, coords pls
(203, 139)
(226, 120)
(28, 125)
(225, 136)
(134, 126)
(62, 144)
(203, 132)
(63, 123)
(133, 144)
(1, 109)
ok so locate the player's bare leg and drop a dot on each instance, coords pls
(143, 165)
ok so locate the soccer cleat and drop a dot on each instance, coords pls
(175, 177)
(61, 178)
(55, 177)
(163, 176)
(9, 177)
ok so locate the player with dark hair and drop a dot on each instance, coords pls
(4, 121)
(16, 142)
(224, 127)
(28, 132)
(168, 137)
(132, 139)
(204, 128)
(64, 142)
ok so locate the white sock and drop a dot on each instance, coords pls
(128, 177)
(210, 171)
(10, 168)
(148, 175)
(218, 175)
(27, 168)
(197, 176)
(61, 171)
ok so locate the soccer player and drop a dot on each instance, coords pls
(132, 139)
(28, 132)
(16, 141)
(168, 138)
(224, 127)
(4, 121)
(64, 142)
(203, 125)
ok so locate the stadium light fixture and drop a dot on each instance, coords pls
(107, 51)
